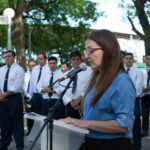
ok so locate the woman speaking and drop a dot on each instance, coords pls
(108, 104)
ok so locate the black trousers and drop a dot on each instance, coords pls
(71, 112)
(36, 103)
(28, 110)
(107, 144)
(49, 103)
(145, 102)
(137, 126)
(11, 116)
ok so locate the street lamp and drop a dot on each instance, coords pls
(9, 13)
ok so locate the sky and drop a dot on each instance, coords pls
(114, 17)
(114, 22)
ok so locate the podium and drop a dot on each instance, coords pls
(65, 136)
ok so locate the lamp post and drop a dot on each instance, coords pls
(9, 13)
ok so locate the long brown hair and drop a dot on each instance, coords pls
(111, 63)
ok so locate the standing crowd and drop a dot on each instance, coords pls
(108, 98)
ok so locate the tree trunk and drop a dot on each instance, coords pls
(147, 42)
(19, 41)
(19, 34)
(143, 19)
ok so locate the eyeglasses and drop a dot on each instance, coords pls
(91, 50)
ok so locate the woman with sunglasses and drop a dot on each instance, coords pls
(108, 104)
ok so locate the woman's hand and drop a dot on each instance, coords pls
(76, 122)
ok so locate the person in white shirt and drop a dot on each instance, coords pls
(26, 86)
(11, 107)
(146, 98)
(137, 79)
(73, 96)
(64, 67)
(50, 91)
(36, 98)
(27, 95)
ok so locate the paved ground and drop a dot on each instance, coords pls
(145, 144)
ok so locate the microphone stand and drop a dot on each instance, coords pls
(49, 118)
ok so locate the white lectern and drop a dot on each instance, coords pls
(65, 136)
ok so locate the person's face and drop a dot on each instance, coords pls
(128, 60)
(31, 65)
(75, 61)
(64, 68)
(9, 58)
(94, 53)
(52, 65)
(148, 61)
(41, 60)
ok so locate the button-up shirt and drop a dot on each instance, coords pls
(137, 79)
(117, 103)
(34, 78)
(26, 85)
(83, 79)
(45, 81)
(145, 77)
(15, 78)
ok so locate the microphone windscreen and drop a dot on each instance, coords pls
(83, 66)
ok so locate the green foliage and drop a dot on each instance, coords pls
(57, 26)
(52, 31)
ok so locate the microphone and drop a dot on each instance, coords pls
(71, 74)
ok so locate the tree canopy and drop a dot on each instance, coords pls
(139, 9)
(55, 26)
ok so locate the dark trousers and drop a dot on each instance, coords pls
(11, 116)
(145, 103)
(71, 112)
(36, 106)
(107, 144)
(137, 126)
(36, 103)
(28, 110)
(49, 103)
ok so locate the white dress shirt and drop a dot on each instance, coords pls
(34, 78)
(26, 84)
(44, 82)
(136, 76)
(83, 79)
(145, 77)
(15, 78)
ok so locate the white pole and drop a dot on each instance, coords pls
(10, 13)
(9, 34)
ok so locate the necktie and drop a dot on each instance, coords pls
(74, 84)
(148, 79)
(128, 69)
(6, 80)
(39, 75)
(28, 87)
(51, 83)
